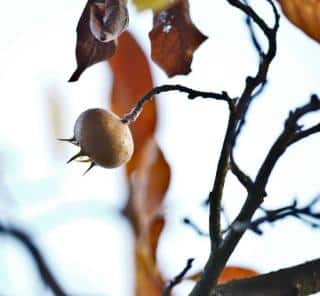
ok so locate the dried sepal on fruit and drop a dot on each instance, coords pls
(104, 139)
(108, 19)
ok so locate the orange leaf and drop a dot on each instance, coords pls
(234, 272)
(89, 50)
(132, 79)
(149, 184)
(148, 278)
(155, 230)
(229, 273)
(305, 14)
(148, 172)
(174, 38)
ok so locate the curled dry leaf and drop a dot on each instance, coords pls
(153, 4)
(174, 39)
(89, 50)
(108, 19)
(305, 14)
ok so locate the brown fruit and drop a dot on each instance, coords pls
(102, 137)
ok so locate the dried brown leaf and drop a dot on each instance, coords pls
(174, 39)
(305, 14)
(89, 50)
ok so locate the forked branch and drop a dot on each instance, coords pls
(223, 248)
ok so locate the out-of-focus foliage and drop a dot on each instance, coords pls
(153, 4)
(305, 14)
(131, 80)
(148, 173)
(174, 39)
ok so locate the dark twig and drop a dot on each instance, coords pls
(178, 278)
(218, 259)
(305, 133)
(226, 216)
(215, 196)
(244, 179)
(192, 94)
(306, 214)
(43, 268)
(259, 81)
(260, 90)
(257, 193)
(237, 118)
(253, 35)
(196, 228)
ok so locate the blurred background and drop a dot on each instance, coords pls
(75, 220)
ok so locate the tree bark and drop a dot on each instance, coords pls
(298, 280)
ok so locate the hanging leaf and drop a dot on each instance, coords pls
(174, 39)
(149, 184)
(153, 4)
(305, 14)
(89, 50)
(131, 80)
(148, 173)
(149, 281)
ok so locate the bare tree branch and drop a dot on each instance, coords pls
(261, 77)
(253, 36)
(178, 278)
(244, 179)
(237, 118)
(215, 196)
(256, 193)
(44, 271)
(306, 133)
(192, 94)
(306, 214)
(300, 280)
